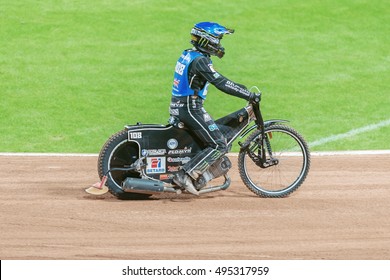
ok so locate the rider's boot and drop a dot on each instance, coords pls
(183, 180)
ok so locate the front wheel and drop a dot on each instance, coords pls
(287, 161)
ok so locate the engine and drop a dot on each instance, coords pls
(217, 169)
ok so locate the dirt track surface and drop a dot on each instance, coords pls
(341, 212)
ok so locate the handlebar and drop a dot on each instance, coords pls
(255, 98)
(255, 95)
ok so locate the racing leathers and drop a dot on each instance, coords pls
(193, 73)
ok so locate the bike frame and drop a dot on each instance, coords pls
(233, 126)
(234, 130)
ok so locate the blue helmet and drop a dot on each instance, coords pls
(207, 36)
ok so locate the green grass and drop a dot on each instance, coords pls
(74, 72)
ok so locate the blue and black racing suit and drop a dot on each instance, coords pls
(193, 73)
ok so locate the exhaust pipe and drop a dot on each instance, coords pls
(136, 185)
(222, 187)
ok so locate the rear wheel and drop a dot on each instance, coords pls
(289, 158)
(118, 152)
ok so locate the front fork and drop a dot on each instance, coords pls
(271, 161)
(259, 150)
(263, 140)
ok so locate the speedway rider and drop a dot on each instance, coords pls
(193, 73)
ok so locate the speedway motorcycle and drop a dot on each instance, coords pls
(142, 159)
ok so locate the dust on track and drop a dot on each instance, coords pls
(341, 212)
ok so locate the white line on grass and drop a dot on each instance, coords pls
(322, 141)
(350, 133)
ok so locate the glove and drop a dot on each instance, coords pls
(255, 97)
